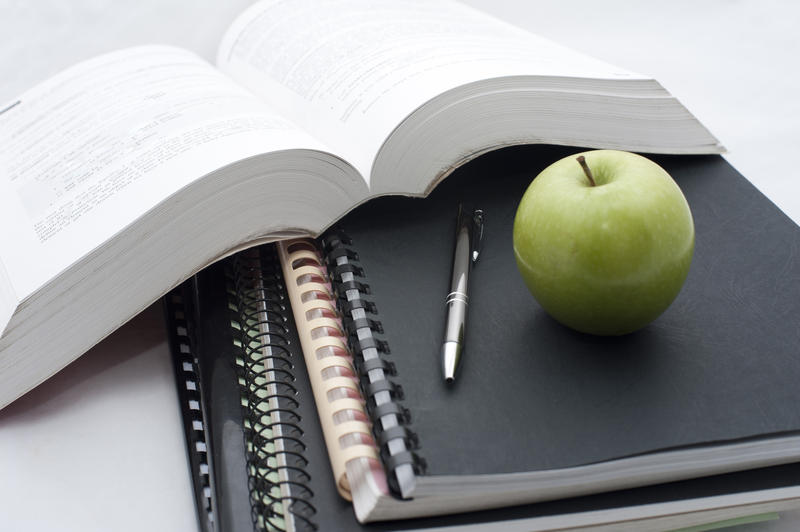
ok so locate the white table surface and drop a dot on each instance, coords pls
(100, 447)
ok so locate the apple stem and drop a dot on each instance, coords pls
(586, 170)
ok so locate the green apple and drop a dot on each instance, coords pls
(604, 240)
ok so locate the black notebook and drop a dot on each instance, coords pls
(707, 388)
(541, 412)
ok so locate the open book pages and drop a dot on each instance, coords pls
(382, 81)
(127, 173)
(124, 175)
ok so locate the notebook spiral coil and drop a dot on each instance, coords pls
(278, 481)
(396, 441)
(334, 381)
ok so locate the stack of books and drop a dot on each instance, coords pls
(308, 369)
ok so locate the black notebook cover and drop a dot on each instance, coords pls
(721, 364)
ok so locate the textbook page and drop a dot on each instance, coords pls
(350, 71)
(90, 150)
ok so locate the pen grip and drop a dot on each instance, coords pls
(457, 300)
(456, 305)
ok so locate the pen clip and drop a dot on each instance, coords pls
(477, 233)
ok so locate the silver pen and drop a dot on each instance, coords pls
(469, 233)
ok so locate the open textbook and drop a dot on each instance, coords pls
(125, 174)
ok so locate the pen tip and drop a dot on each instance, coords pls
(451, 352)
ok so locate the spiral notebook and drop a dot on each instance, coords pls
(673, 397)
(540, 412)
(258, 459)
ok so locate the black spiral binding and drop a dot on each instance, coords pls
(177, 310)
(390, 420)
(278, 482)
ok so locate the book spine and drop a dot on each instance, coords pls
(383, 396)
(177, 312)
(334, 381)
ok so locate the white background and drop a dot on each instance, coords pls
(99, 446)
